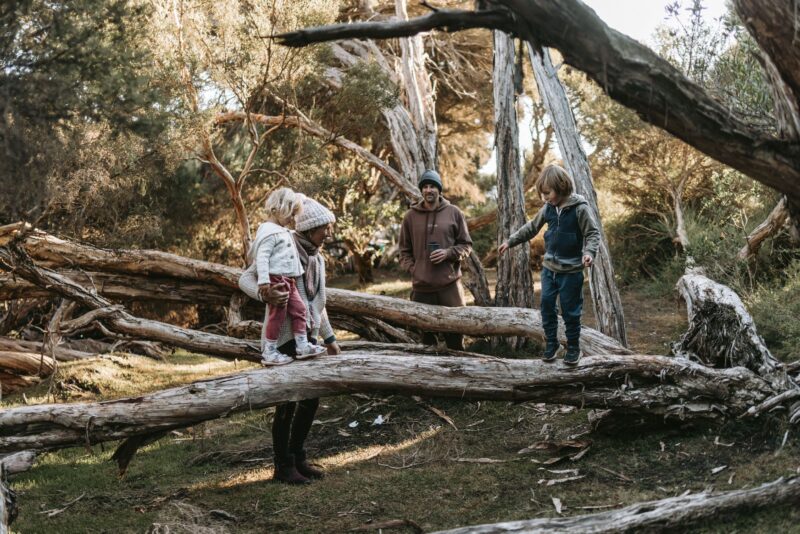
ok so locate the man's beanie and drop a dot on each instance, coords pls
(313, 215)
(430, 177)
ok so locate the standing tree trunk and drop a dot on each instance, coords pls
(418, 91)
(605, 295)
(514, 281)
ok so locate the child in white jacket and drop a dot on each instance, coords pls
(276, 260)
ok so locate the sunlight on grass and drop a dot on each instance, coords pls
(392, 288)
(342, 459)
(118, 375)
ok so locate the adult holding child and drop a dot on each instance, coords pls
(571, 242)
(434, 239)
(292, 422)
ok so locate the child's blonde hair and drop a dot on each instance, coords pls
(555, 178)
(284, 204)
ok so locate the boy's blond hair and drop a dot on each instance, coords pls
(555, 178)
(284, 204)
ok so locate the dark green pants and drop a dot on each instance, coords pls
(451, 296)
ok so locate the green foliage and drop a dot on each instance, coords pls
(354, 109)
(73, 73)
(776, 308)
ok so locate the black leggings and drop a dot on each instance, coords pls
(291, 426)
(292, 421)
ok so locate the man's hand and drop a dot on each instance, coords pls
(587, 260)
(438, 256)
(502, 248)
(334, 349)
(274, 294)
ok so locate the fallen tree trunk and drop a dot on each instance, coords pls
(18, 462)
(124, 287)
(657, 385)
(672, 514)
(474, 321)
(370, 328)
(722, 333)
(50, 251)
(118, 319)
(470, 320)
(62, 354)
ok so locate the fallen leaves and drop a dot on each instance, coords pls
(562, 450)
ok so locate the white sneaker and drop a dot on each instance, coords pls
(306, 350)
(272, 356)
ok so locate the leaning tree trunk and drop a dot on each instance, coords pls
(776, 220)
(514, 281)
(664, 386)
(665, 515)
(605, 295)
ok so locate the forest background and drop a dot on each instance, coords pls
(111, 115)
(126, 124)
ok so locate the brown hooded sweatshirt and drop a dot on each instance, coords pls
(445, 225)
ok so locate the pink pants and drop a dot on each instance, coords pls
(294, 308)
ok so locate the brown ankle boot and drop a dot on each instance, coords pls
(286, 472)
(305, 468)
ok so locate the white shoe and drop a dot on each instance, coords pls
(272, 356)
(304, 352)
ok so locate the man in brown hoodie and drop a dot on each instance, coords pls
(433, 241)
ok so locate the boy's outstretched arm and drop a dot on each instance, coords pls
(591, 234)
(525, 233)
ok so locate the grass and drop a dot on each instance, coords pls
(405, 468)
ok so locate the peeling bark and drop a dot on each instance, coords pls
(514, 281)
(671, 515)
(8, 508)
(18, 462)
(670, 387)
(223, 281)
(721, 332)
(776, 220)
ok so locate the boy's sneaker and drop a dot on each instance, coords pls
(550, 351)
(308, 351)
(573, 354)
(272, 356)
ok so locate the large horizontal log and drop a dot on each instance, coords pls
(671, 515)
(52, 251)
(469, 320)
(124, 287)
(26, 363)
(628, 72)
(13, 259)
(473, 320)
(669, 387)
